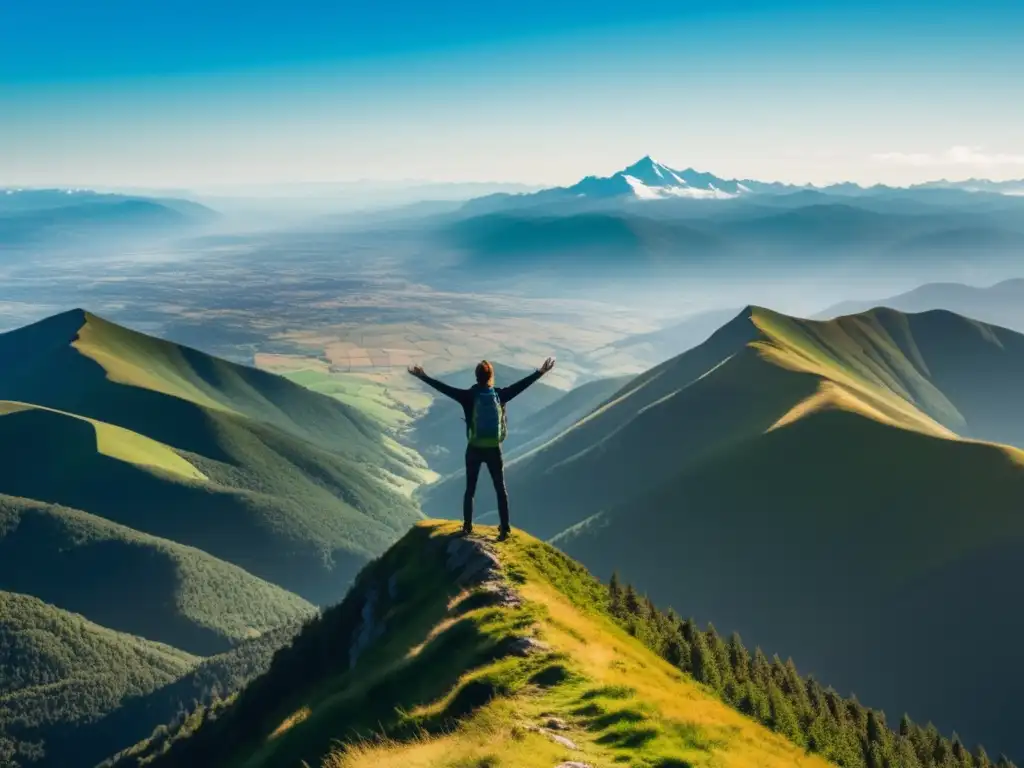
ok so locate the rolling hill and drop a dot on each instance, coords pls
(453, 652)
(35, 216)
(292, 486)
(165, 496)
(840, 490)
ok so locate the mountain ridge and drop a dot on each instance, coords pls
(456, 651)
(647, 179)
(848, 460)
(172, 497)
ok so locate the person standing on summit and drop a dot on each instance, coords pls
(483, 406)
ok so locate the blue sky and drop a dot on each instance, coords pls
(191, 93)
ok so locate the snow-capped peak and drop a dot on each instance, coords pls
(647, 179)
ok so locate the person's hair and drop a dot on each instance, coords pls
(484, 373)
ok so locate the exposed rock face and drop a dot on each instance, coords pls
(472, 561)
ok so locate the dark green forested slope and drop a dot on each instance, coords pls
(135, 583)
(57, 667)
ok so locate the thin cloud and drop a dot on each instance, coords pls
(958, 155)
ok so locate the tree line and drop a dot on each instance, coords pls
(841, 730)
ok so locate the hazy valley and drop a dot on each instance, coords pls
(789, 412)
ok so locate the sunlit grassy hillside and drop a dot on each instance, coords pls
(293, 486)
(164, 494)
(523, 668)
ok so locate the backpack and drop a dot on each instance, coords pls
(487, 427)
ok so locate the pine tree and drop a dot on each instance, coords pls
(739, 658)
(961, 756)
(941, 752)
(615, 595)
(816, 696)
(858, 713)
(905, 756)
(631, 601)
(981, 759)
(783, 718)
(877, 741)
(647, 608)
(677, 652)
(905, 725)
(689, 630)
(720, 652)
(876, 730)
(705, 669)
(797, 692)
(760, 669)
(820, 736)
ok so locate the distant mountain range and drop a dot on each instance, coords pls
(807, 232)
(54, 216)
(999, 304)
(647, 179)
(650, 221)
(840, 490)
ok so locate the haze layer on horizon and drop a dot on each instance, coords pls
(202, 93)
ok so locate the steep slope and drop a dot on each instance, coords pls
(167, 495)
(84, 736)
(789, 469)
(135, 583)
(542, 425)
(937, 373)
(456, 652)
(292, 486)
(872, 553)
(57, 667)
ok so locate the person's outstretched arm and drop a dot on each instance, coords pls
(459, 395)
(507, 393)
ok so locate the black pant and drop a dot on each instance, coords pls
(496, 466)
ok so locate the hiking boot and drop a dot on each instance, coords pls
(504, 533)
(467, 528)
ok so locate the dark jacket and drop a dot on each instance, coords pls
(464, 397)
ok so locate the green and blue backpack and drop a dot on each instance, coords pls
(487, 427)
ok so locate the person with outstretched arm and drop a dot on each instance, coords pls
(483, 407)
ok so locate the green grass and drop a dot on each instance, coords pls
(439, 687)
(368, 397)
(112, 441)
